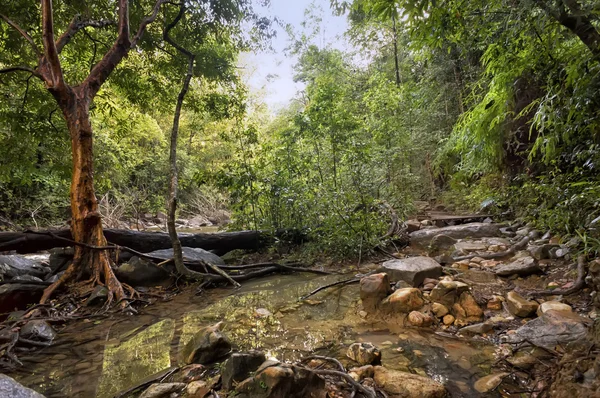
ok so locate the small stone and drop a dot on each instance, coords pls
(160, 390)
(197, 389)
(38, 330)
(553, 305)
(519, 306)
(439, 310)
(477, 260)
(478, 328)
(553, 285)
(488, 383)
(403, 300)
(428, 286)
(419, 319)
(489, 263)
(364, 353)
(447, 292)
(448, 319)
(523, 266)
(494, 248)
(262, 313)
(473, 311)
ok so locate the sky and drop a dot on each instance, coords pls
(269, 74)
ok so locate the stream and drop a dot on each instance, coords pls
(98, 358)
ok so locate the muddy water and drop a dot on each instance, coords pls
(104, 356)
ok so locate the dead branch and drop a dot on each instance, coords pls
(344, 282)
(75, 26)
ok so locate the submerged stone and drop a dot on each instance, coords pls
(282, 380)
(239, 366)
(364, 353)
(206, 346)
(38, 330)
(404, 384)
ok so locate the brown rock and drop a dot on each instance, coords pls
(197, 389)
(553, 305)
(403, 300)
(361, 372)
(439, 310)
(519, 306)
(403, 384)
(473, 311)
(495, 303)
(282, 380)
(373, 289)
(419, 319)
(364, 353)
(448, 319)
(488, 383)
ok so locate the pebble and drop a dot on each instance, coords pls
(448, 319)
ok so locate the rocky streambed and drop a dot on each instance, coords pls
(420, 325)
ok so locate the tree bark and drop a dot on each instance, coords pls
(395, 39)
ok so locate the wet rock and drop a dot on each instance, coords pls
(361, 372)
(447, 292)
(142, 272)
(519, 306)
(439, 309)
(60, 257)
(9, 387)
(403, 384)
(190, 253)
(197, 389)
(473, 230)
(401, 285)
(38, 330)
(373, 289)
(553, 305)
(412, 269)
(448, 319)
(528, 358)
(282, 380)
(19, 295)
(495, 303)
(26, 278)
(364, 353)
(551, 329)
(239, 366)
(490, 382)
(206, 346)
(99, 295)
(419, 319)
(162, 390)
(467, 309)
(15, 265)
(262, 313)
(543, 252)
(478, 328)
(403, 301)
(190, 373)
(523, 266)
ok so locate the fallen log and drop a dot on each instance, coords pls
(219, 243)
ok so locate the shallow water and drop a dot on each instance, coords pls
(100, 358)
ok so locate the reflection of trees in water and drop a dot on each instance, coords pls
(128, 362)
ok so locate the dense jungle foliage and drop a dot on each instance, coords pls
(467, 103)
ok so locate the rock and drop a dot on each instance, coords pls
(447, 292)
(507, 232)
(373, 289)
(470, 246)
(26, 278)
(477, 260)
(15, 265)
(472, 310)
(495, 303)
(401, 285)
(142, 272)
(551, 329)
(403, 301)
(262, 313)
(19, 295)
(519, 306)
(162, 390)
(553, 305)
(542, 252)
(528, 358)
(562, 252)
(60, 257)
(239, 366)
(413, 225)
(478, 328)
(478, 277)
(282, 380)
(448, 319)
(361, 372)
(99, 295)
(419, 319)
(441, 242)
(197, 389)
(490, 382)
(423, 237)
(412, 269)
(190, 253)
(206, 346)
(364, 353)
(38, 330)
(523, 266)
(10, 388)
(199, 221)
(190, 373)
(439, 309)
(403, 384)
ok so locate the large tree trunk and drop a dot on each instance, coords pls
(86, 223)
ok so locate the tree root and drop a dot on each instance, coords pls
(520, 245)
(344, 282)
(577, 285)
(367, 392)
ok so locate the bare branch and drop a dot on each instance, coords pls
(146, 21)
(23, 69)
(23, 33)
(50, 51)
(75, 26)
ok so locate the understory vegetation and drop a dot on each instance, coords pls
(472, 104)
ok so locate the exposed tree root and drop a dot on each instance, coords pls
(520, 245)
(577, 285)
(367, 392)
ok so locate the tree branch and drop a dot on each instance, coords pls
(23, 33)
(146, 21)
(50, 51)
(21, 68)
(75, 26)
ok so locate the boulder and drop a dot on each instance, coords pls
(470, 246)
(191, 254)
(15, 265)
(439, 309)
(206, 346)
(282, 380)
(162, 390)
(239, 366)
(551, 329)
(199, 221)
(490, 382)
(364, 353)
(403, 384)
(553, 305)
(423, 237)
(419, 319)
(523, 266)
(9, 387)
(373, 289)
(412, 269)
(19, 295)
(403, 301)
(38, 330)
(447, 292)
(141, 272)
(519, 306)
(472, 310)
